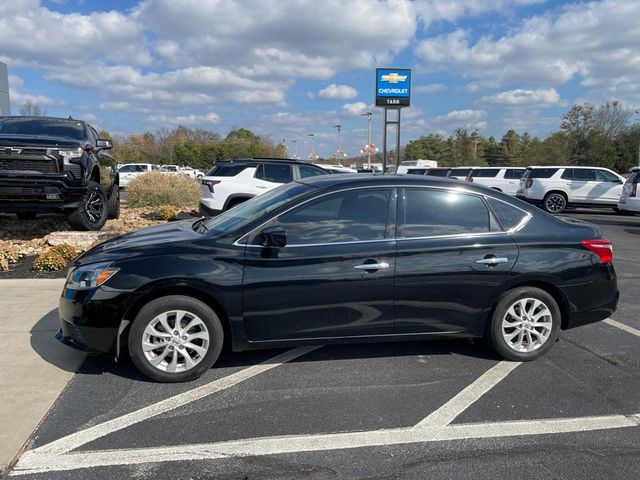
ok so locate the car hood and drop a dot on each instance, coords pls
(37, 141)
(142, 242)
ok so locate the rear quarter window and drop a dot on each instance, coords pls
(540, 173)
(485, 173)
(514, 173)
(229, 170)
(508, 215)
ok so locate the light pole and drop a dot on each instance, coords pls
(284, 147)
(295, 154)
(368, 115)
(313, 146)
(339, 152)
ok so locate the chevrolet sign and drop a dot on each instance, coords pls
(393, 87)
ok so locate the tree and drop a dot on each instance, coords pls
(32, 109)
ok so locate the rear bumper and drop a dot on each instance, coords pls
(45, 192)
(207, 211)
(595, 301)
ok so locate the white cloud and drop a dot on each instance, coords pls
(343, 92)
(18, 97)
(431, 88)
(355, 109)
(434, 10)
(192, 119)
(578, 41)
(543, 97)
(115, 106)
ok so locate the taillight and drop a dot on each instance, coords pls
(601, 247)
(634, 190)
(528, 183)
(210, 183)
(470, 179)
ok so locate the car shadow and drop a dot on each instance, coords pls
(66, 358)
(632, 232)
(43, 342)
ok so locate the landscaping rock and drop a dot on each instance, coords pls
(79, 240)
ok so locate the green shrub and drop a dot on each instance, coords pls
(66, 251)
(155, 189)
(49, 261)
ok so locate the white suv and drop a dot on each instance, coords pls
(235, 181)
(555, 188)
(502, 179)
(129, 171)
(630, 199)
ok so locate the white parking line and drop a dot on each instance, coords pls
(463, 400)
(622, 326)
(307, 443)
(75, 440)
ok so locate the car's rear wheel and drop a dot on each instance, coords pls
(554, 202)
(113, 204)
(524, 324)
(92, 212)
(175, 339)
(26, 215)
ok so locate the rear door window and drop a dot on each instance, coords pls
(429, 213)
(275, 173)
(306, 171)
(485, 173)
(460, 172)
(514, 173)
(584, 175)
(540, 173)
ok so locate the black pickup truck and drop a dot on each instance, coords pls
(57, 165)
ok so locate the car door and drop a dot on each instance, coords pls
(334, 277)
(607, 187)
(452, 260)
(271, 175)
(511, 180)
(582, 184)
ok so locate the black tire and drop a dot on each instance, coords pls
(26, 215)
(496, 332)
(113, 204)
(554, 202)
(92, 212)
(196, 310)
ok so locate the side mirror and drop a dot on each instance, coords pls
(103, 143)
(273, 237)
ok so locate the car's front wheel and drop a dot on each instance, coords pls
(524, 324)
(92, 212)
(113, 204)
(175, 339)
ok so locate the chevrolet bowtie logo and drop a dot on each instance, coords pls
(11, 151)
(393, 78)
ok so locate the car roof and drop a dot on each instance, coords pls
(565, 166)
(498, 167)
(38, 117)
(375, 179)
(265, 159)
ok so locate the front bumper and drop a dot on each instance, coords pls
(40, 192)
(90, 319)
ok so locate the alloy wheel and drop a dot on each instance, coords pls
(555, 203)
(94, 206)
(527, 325)
(175, 341)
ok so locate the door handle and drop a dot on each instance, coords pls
(372, 266)
(492, 260)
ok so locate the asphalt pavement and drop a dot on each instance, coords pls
(440, 409)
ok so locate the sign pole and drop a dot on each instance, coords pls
(398, 140)
(384, 142)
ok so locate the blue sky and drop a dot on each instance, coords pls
(287, 68)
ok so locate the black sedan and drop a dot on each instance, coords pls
(340, 258)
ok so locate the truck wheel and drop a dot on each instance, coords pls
(554, 202)
(113, 204)
(92, 212)
(26, 215)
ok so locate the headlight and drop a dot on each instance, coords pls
(90, 276)
(69, 155)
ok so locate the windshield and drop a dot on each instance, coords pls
(251, 210)
(47, 127)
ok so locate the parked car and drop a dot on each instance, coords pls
(173, 169)
(57, 165)
(232, 182)
(502, 179)
(630, 199)
(191, 172)
(129, 171)
(416, 166)
(331, 168)
(460, 173)
(556, 188)
(438, 172)
(334, 259)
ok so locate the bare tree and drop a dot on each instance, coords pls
(32, 109)
(612, 118)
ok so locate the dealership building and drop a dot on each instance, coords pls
(5, 107)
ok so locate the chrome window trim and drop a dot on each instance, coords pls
(457, 188)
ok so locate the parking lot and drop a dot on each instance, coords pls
(442, 409)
